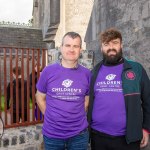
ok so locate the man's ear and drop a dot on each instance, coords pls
(121, 45)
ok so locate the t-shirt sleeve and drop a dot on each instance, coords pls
(42, 82)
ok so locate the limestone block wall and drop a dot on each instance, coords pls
(86, 58)
(22, 138)
(132, 18)
(38, 13)
(55, 18)
(74, 16)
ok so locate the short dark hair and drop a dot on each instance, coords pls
(73, 35)
(15, 70)
(110, 34)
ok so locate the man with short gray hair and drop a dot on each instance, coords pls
(62, 96)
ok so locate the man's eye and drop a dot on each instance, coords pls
(105, 44)
(76, 46)
(115, 42)
(67, 45)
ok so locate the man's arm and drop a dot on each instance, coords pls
(145, 97)
(86, 103)
(41, 101)
(145, 139)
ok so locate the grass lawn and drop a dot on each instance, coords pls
(2, 103)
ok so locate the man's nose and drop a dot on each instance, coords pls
(71, 48)
(111, 46)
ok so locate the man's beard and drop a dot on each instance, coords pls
(112, 59)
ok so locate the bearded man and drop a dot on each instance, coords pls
(119, 107)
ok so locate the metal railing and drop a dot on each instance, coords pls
(20, 101)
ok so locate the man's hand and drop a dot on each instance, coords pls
(41, 101)
(145, 139)
(86, 103)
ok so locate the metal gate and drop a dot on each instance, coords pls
(25, 59)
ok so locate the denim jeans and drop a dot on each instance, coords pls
(78, 142)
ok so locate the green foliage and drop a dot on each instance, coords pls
(3, 103)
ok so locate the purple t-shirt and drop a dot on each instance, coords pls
(65, 91)
(109, 114)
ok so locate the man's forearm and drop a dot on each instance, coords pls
(41, 101)
(86, 103)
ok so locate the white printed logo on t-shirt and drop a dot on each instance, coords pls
(110, 77)
(67, 83)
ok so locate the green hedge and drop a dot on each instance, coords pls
(2, 103)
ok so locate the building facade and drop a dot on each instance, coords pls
(56, 17)
(132, 18)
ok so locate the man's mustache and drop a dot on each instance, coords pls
(112, 50)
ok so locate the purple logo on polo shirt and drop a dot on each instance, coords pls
(110, 77)
(67, 83)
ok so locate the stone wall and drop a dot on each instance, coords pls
(46, 16)
(22, 138)
(55, 18)
(132, 18)
(86, 57)
(75, 16)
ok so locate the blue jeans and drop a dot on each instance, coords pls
(78, 142)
